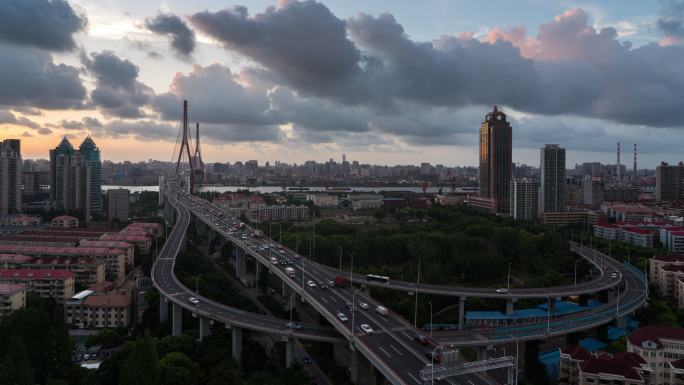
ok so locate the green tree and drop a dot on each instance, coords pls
(178, 369)
(16, 369)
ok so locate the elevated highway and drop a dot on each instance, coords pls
(390, 346)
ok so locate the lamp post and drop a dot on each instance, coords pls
(548, 316)
(340, 257)
(432, 365)
(516, 358)
(509, 276)
(576, 260)
(415, 313)
(290, 324)
(351, 270)
(353, 315)
(430, 303)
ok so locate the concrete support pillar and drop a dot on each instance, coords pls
(204, 328)
(237, 343)
(461, 313)
(163, 309)
(289, 352)
(511, 372)
(621, 322)
(283, 291)
(176, 320)
(371, 375)
(509, 306)
(257, 266)
(353, 367)
(240, 262)
(481, 353)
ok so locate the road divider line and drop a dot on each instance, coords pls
(414, 379)
(396, 350)
(384, 351)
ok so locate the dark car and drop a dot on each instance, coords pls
(306, 360)
(421, 340)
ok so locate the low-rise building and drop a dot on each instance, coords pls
(579, 367)
(143, 242)
(12, 297)
(323, 200)
(56, 284)
(608, 231)
(90, 309)
(658, 261)
(115, 259)
(64, 221)
(637, 236)
(658, 346)
(279, 213)
(129, 248)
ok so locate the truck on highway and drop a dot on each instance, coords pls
(290, 272)
(242, 225)
(340, 281)
(258, 233)
(382, 310)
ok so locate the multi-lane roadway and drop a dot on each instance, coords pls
(388, 341)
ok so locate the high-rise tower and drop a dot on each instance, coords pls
(552, 165)
(496, 142)
(10, 176)
(76, 178)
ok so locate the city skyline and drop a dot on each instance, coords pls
(118, 71)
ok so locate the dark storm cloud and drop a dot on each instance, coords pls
(78, 125)
(141, 130)
(47, 24)
(672, 21)
(117, 92)
(182, 37)
(29, 78)
(568, 68)
(303, 43)
(7, 117)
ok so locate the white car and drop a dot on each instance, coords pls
(311, 284)
(193, 300)
(363, 305)
(342, 317)
(502, 290)
(366, 328)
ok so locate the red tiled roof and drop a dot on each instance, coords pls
(34, 274)
(655, 333)
(637, 230)
(576, 352)
(108, 300)
(669, 258)
(607, 225)
(52, 250)
(611, 366)
(64, 218)
(15, 258)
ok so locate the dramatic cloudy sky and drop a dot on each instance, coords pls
(384, 81)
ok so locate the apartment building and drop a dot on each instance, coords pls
(10, 176)
(115, 259)
(128, 248)
(323, 200)
(57, 284)
(579, 367)
(280, 213)
(658, 346)
(12, 297)
(118, 204)
(89, 309)
(64, 221)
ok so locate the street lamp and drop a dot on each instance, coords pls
(548, 316)
(432, 365)
(290, 324)
(351, 270)
(415, 314)
(516, 358)
(430, 303)
(576, 260)
(509, 275)
(353, 314)
(340, 257)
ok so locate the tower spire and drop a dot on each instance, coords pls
(197, 159)
(184, 144)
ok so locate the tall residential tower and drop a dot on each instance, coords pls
(76, 178)
(552, 165)
(496, 142)
(10, 176)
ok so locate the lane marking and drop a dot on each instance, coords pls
(414, 379)
(331, 298)
(324, 300)
(396, 350)
(470, 382)
(384, 351)
(407, 336)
